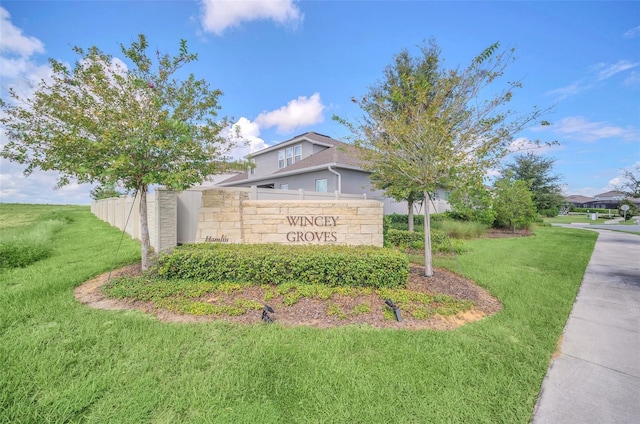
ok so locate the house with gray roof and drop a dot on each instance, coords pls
(578, 200)
(607, 200)
(318, 163)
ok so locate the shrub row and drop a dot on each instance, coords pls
(281, 264)
(592, 210)
(397, 218)
(418, 219)
(440, 242)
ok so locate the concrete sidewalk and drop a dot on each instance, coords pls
(596, 376)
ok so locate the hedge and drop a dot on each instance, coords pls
(281, 264)
(440, 242)
(418, 219)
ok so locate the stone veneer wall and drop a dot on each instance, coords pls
(228, 216)
(221, 216)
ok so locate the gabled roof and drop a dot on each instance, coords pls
(312, 137)
(341, 155)
(610, 194)
(338, 154)
(240, 177)
(576, 198)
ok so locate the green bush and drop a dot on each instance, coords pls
(397, 218)
(386, 224)
(549, 213)
(462, 229)
(402, 238)
(485, 216)
(631, 212)
(440, 242)
(281, 264)
(418, 219)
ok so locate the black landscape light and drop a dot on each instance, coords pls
(265, 315)
(396, 310)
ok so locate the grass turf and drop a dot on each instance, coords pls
(61, 361)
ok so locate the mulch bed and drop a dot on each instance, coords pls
(314, 312)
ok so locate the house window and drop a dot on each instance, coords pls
(321, 185)
(297, 153)
(252, 168)
(284, 186)
(289, 156)
(281, 159)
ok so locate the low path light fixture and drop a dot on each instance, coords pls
(265, 313)
(395, 309)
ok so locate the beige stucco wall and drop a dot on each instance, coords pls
(229, 216)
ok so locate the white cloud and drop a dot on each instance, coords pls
(633, 79)
(597, 73)
(218, 15)
(632, 33)
(17, 68)
(297, 113)
(20, 71)
(604, 71)
(246, 136)
(579, 128)
(568, 91)
(38, 187)
(12, 40)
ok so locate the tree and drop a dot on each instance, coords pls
(105, 191)
(631, 187)
(398, 192)
(537, 171)
(472, 202)
(103, 122)
(632, 209)
(429, 127)
(513, 204)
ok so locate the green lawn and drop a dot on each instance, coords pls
(61, 361)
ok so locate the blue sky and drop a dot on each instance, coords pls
(286, 67)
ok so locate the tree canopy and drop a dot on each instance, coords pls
(537, 171)
(104, 122)
(631, 187)
(105, 192)
(427, 127)
(513, 204)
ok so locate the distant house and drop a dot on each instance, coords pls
(607, 200)
(315, 162)
(579, 201)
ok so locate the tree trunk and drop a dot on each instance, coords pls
(145, 242)
(410, 214)
(428, 268)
